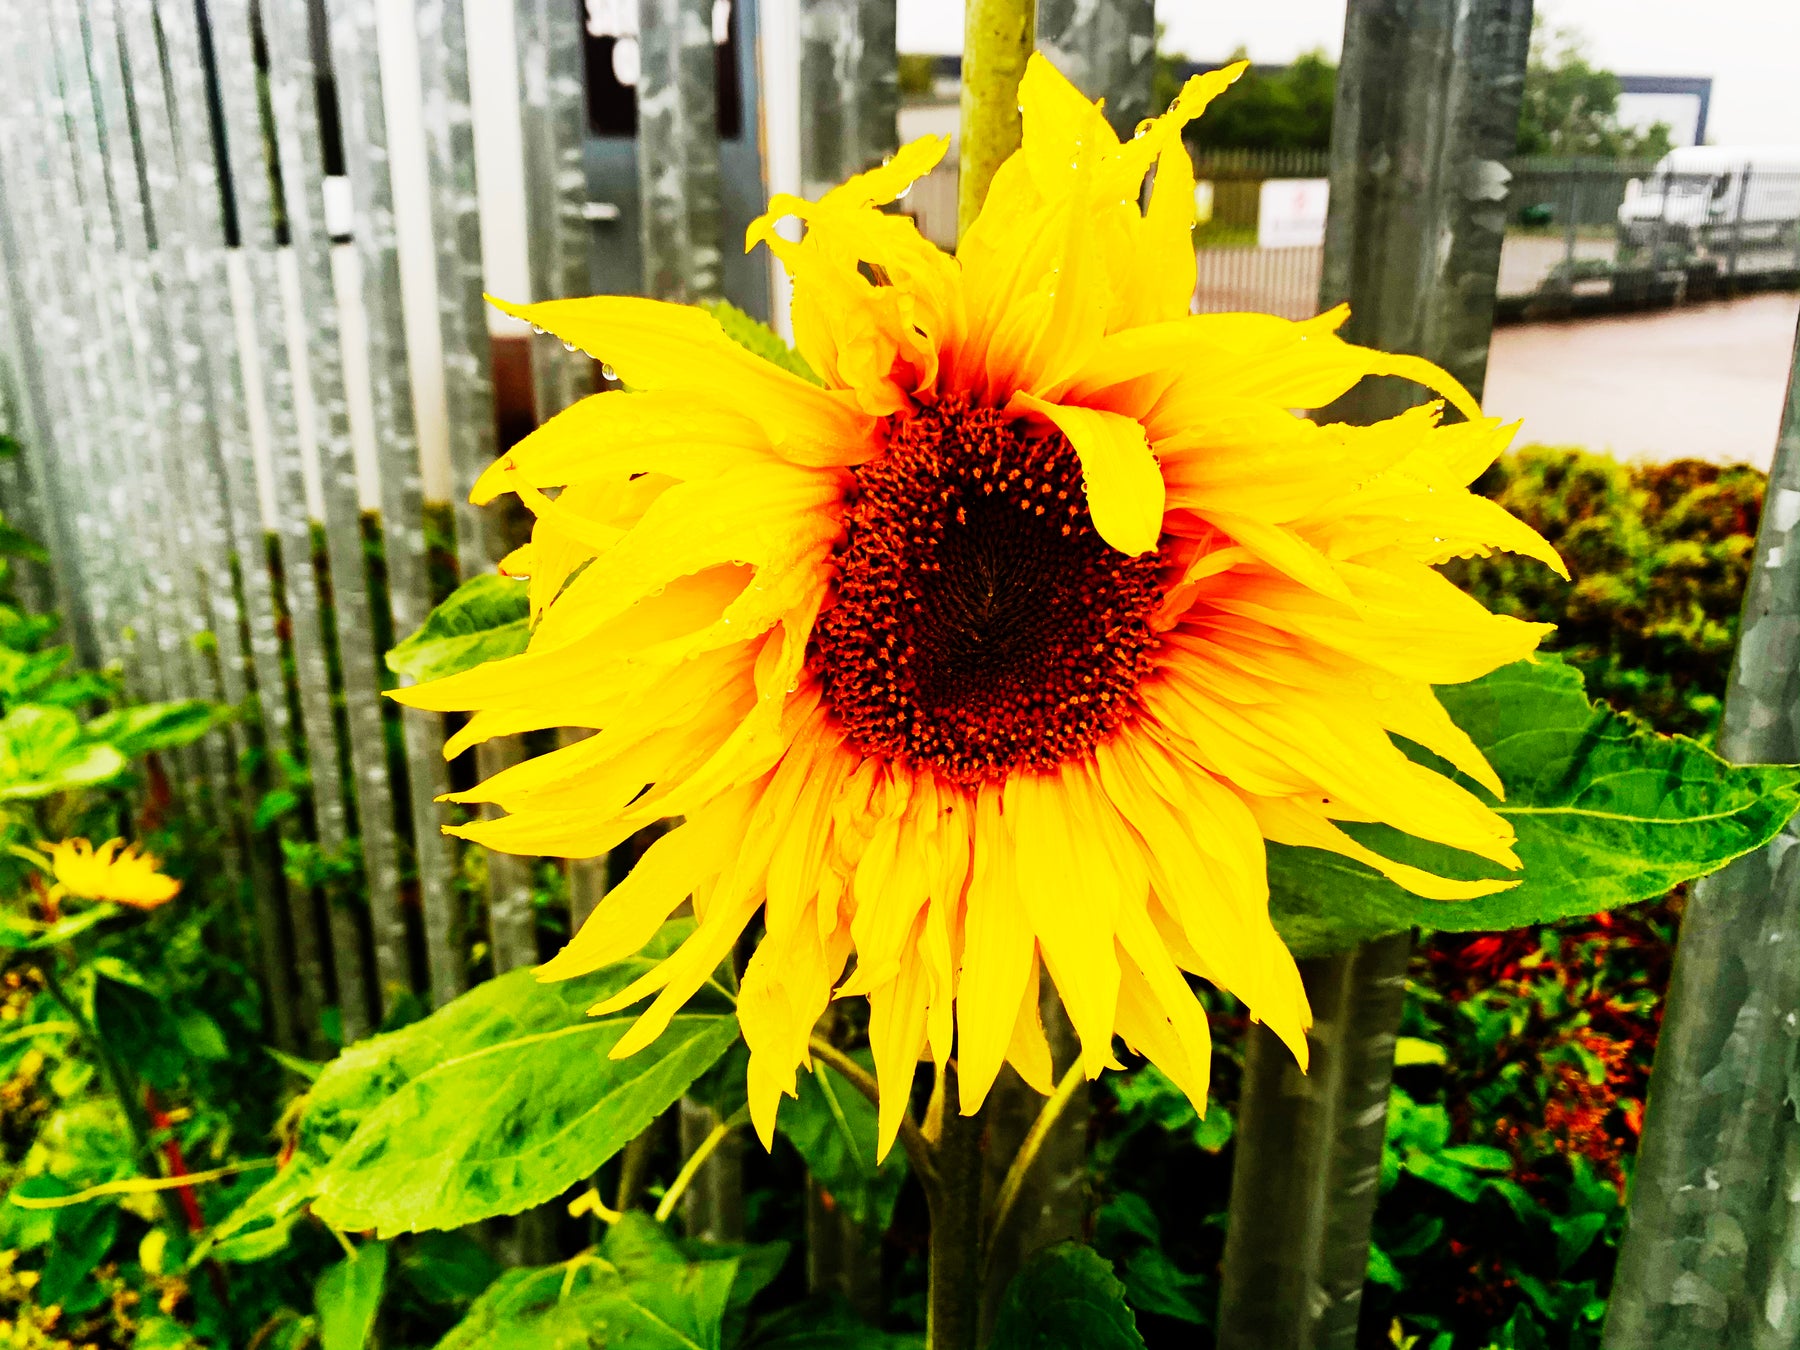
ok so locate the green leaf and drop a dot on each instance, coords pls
(484, 619)
(140, 1029)
(1410, 1051)
(261, 1225)
(348, 1296)
(146, 727)
(23, 674)
(1382, 1269)
(1432, 1169)
(689, 1296)
(446, 1270)
(833, 1127)
(1155, 1284)
(498, 1101)
(23, 934)
(1479, 1157)
(1607, 812)
(44, 750)
(586, 1304)
(15, 543)
(758, 337)
(826, 1323)
(1065, 1298)
(1574, 1236)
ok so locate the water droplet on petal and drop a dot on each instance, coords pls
(608, 371)
(570, 347)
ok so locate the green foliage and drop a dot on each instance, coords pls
(1606, 812)
(1153, 1282)
(485, 618)
(641, 1288)
(825, 1324)
(1660, 555)
(498, 1101)
(1572, 107)
(43, 750)
(146, 728)
(1065, 1298)
(348, 1297)
(833, 1127)
(1287, 109)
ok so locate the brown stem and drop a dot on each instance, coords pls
(953, 1312)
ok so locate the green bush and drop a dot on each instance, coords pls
(1659, 554)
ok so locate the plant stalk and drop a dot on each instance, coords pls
(953, 1310)
(998, 37)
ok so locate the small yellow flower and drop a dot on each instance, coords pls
(126, 876)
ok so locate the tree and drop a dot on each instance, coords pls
(1287, 109)
(1572, 106)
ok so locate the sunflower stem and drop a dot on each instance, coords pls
(953, 1310)
(998, 37)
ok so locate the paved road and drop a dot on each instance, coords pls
(1704, 380)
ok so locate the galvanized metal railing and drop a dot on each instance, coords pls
(212, 376)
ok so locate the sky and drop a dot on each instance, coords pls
(1751, 48)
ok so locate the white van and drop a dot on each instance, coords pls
(1703, 196)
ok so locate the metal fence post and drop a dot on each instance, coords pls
(1107, 48)
(266, 294)
(678, 149)
(1427, 103)
(849, 89)
(468, 365)
(1712, 1249)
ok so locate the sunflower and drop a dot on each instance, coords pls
(1000, 650)
(123, 876)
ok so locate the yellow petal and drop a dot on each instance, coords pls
(1124, 484)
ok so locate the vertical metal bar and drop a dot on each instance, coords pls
(293, 86)
(1737, 229)
(552, 121)
(1427, 105)
(188, 664)
(1107, 48)
(468, 357)
(1711, 1254)
(456, 229)
(31, 394)
(849, 89)
(190, 279)
(287, 943)
(253, 176)
(678, 149)
(94, 484)
(356, 63)
(123, 392)
(42, 588)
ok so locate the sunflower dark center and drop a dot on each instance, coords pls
(981, 625)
